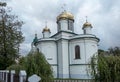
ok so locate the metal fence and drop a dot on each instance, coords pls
(70, 80)
(16, 78)
(9, 75)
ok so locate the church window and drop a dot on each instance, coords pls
(70, 25)
(84, 31)
(59, 26)
(77, 52)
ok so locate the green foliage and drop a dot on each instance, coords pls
(114, 51)
(107, 68)
(35, 63)
(10, 36)
(16, 67)
(2, 4)
(5, 62)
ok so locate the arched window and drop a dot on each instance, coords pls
(77, 52)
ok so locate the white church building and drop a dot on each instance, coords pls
(67, 52)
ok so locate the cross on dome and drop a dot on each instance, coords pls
(65, 14)
(46, 29)
(46, 23)
(86, 18)
(63, 7)
(87, 24)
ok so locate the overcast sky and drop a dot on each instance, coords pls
(104, 15)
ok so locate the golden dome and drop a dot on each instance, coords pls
(87, 24)
(65, 15)
(46, 29)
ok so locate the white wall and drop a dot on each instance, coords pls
(48, 48)
(79, 72)
(91, 49)
(63, 24)
(88, 47)
(46, 34)
(63, 62)
(87, 30)
(72, 45)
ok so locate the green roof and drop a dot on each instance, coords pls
(35, 40)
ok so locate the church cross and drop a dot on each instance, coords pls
(46, 23)
(64, 7)
(86, 18)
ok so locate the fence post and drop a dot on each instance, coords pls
(3, 74)
(6, 75)
(0, 75)
(12, 73)
(22, 76)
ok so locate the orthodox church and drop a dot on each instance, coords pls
(67, 52)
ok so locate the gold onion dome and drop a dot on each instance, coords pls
(46, 29)
(87, 24)
(65, 15)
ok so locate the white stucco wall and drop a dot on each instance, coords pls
(63, 25)
(91, 49)
(46, 34)
(88, 47)
(87, 30)
(63, 34)
(63, 63)
(48, 48)
(79, 72)
(72, 45)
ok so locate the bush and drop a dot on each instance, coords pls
(35, 63)
(16, 67)
(107, 68)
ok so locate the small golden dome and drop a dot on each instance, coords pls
(46, 29)
(65, 15)
(87, 24)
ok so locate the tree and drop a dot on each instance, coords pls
(35, 63)
(10, 36)
(16, 67)
(114, 51)
(107, 68)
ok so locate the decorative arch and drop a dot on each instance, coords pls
(77, 52)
